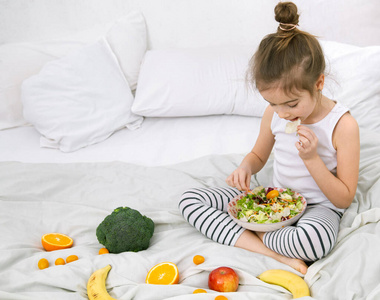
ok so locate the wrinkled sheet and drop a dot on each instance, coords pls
(74, 198)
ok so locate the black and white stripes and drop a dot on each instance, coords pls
(206, 210)
(313, 237)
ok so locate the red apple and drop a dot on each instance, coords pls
(223, 279)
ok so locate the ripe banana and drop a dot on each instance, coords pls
(96, 285)
(292, 282)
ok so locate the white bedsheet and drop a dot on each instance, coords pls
(159, 141)
(75, 191)
(75, 198)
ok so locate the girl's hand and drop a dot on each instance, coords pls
(307, 144)
(240, 179)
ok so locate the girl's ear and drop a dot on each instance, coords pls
(320, 82)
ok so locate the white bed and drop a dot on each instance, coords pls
(178, 119)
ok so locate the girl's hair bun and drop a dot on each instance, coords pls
(286, 13)
(289, 59)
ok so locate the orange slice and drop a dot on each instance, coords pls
(56, 241)
(163, 273)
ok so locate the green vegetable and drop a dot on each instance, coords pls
(255, 207)
(125, 229)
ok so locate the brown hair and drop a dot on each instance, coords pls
(290, 59)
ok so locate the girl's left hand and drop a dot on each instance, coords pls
(307, 144)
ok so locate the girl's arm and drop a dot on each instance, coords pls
(255, 160)
(339, 189)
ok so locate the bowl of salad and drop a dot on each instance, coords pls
(267, 209)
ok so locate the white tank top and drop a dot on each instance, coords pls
(289, 170)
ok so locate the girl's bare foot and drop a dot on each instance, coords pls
(297, 264)
(253, 242)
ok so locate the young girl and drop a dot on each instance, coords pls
(320, 160)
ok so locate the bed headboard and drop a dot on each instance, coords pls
(190, 23)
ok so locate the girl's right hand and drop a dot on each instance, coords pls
(240, 179)
(255, 160)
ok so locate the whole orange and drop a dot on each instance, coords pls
(43, 263)
(198, 259)
(103, 251)
(59, 261)
(71, 258)
(199, 291)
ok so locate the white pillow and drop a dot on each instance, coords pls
(196, 82)
(80, 99)
(128, 40)
(18, 61)
(353, 79)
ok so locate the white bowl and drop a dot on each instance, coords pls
(232, 211)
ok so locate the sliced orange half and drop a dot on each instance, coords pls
(56, 241)
(163, 273)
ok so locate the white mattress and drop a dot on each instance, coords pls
(159, 141)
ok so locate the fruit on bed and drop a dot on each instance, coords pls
(223, 279)
(71, 258)
(103, 251)
(292, 282)
(125, 229)
(96, 285)
(59, 261)
(163, 273)
(56, 241)
(43, 263)
(198, 259)
(220, 297)
(199, 291)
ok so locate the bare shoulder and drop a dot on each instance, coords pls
(268, 114)
(347, 124)
(346, 131)
(266, 121)
(269, 110)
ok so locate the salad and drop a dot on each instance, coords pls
(268, 205)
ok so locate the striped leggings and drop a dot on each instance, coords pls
(311, 238)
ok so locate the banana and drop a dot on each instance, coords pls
(292, 282)
(96, 285)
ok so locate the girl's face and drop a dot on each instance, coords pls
(292, 106)
(300, 105)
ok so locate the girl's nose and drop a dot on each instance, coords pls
(283, 115)
(282, 112)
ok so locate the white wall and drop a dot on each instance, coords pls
(190, 23)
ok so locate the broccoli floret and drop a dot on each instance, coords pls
(125, 229)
